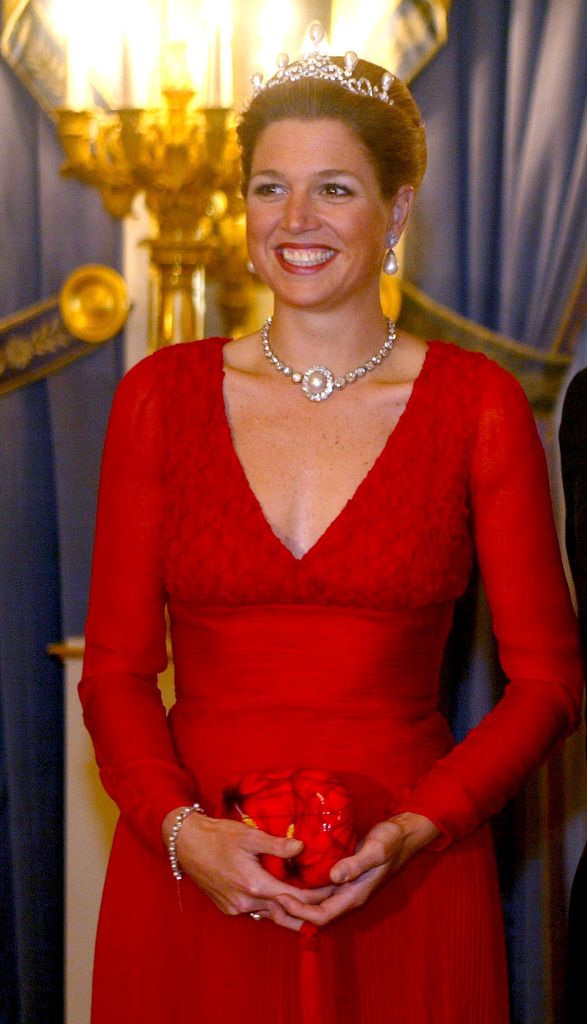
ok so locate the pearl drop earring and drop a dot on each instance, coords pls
(390, 264)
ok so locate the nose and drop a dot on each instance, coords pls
(299, 214)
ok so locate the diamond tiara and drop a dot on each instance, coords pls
(320, 65)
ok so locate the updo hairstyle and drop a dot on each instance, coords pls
(392, 133)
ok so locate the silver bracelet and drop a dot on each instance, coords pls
(172, 841)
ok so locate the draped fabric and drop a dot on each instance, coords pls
(499, 234)
(50, 440)
(500, 228)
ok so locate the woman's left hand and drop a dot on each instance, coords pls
(383, 851)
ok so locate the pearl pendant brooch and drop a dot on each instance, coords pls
(318, 382)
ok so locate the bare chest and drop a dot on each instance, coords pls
(304, 461)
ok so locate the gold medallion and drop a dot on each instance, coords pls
(94, 302)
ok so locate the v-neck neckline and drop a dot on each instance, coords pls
(389, 445)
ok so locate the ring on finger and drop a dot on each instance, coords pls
(255, 915)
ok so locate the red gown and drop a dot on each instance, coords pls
(331, 661)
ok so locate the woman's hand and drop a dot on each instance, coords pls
(383, 851)
(222, 858)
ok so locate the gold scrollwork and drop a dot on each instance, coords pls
(42, 339)
(20, 349)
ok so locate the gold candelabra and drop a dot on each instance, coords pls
(185, 160)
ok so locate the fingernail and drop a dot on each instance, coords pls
(339, 875)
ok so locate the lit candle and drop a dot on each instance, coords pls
(226, 85)
(176, 73)
(219, 92)
(176, 52)
(76, 79)
(214, 89)
(139, 55)
(126, 77)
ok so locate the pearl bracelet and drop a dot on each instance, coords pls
(172, 841)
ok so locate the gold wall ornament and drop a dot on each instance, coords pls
(540, 373)
(32, 47)
(94, 303)
(40, 340)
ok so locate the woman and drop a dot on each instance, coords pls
(310, 554)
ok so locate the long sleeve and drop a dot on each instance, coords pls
(533, 621)
(125, 629)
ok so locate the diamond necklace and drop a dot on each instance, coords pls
(318, 382)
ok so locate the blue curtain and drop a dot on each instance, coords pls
(50, 441)
(500, 228)
(499, 234)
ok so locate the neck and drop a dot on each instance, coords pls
(338, 338)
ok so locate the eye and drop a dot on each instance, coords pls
(268, 189)
(335, 190)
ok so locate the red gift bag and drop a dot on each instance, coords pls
(308, 804)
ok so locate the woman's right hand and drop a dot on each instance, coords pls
(222, 858)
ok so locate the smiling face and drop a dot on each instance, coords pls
(316, 218)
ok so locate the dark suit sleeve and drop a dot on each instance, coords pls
(573, 446)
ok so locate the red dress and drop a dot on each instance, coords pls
(329, 661)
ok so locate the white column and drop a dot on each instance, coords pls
(137, 274)
(90, 817)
